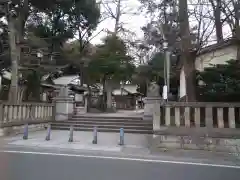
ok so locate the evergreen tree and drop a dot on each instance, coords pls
(220, 83)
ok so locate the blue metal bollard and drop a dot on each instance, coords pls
(25, 133)
(71, 134)
(48, 133)
(121, 143)
(94, 135)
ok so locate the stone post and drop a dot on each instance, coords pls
(1, 112)
(156, 114)
(63, 105)
(80, 103)
(152, 102)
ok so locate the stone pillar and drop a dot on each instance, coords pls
(156, 114)
(152, 102)
(63, 105)
(148, 110)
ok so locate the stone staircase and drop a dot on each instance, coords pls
(131, 124)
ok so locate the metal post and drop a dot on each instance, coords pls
(168, 65)
(71, 134)
(48, 133)
(25, 133)
(121, 143)
(94, 135)
(167, 62)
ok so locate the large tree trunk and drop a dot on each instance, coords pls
(236, 10)
(217, 18)
(13, 91)
(218, 22)
(108, 83)
(16, 33)
(188, 58)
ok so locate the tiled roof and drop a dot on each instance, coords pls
(65, 80)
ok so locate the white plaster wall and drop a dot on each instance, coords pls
(220, 56)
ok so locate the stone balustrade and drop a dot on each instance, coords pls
(19, 114)
(201, 115)
(194, 125)
(211, 115)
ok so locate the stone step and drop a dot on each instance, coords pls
(127, 118)
(114, 126)
(138, 131)
(105, 119)
(108, 122)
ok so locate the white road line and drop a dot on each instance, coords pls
(122, 158)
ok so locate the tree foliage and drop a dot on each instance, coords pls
(220, 82)
(45, 26)
(153, 71)
(111, 61)
(5, 61)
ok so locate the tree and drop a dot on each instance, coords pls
(55, 29)
(216, 6)
(17, 13)
(230, 9)
(220, 82)
(85, 16)
(187, 56)
(58, 12)
(5, 61)
(153, 71)
(111, 63)
(116, 10)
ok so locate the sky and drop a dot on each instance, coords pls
(131, 22)
(134, 23)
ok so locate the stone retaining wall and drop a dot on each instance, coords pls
(168, 142)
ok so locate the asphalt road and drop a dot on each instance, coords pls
(18, 166)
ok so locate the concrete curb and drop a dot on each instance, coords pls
(11, 131)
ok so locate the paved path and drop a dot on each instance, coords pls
(83, 141)
(40, 166)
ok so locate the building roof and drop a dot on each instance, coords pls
(221, 45)
(131, 88)
(65, 80)
(127, 89)
(6, 74)
(213, 47)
